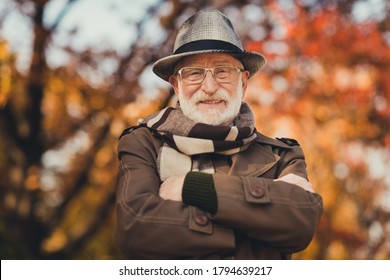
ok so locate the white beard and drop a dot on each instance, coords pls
(212, 116)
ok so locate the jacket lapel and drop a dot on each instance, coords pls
(256, 160)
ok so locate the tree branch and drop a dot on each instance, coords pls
(81, 181)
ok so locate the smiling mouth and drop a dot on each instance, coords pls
(211, 102)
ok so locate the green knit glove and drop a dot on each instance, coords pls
(199, 191)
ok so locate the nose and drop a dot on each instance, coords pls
(209, 85)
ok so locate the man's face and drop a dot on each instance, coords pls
(210, 102)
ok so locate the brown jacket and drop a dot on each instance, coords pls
(257, 217)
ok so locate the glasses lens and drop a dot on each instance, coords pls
(225, 74)
(193, 74)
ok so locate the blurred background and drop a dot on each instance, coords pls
(75, 73)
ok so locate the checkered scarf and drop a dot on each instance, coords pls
(187, 144)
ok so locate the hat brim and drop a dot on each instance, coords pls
(252, 61)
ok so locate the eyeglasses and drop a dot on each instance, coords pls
(221, 74)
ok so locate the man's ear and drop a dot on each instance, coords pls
(244, 78)
(174, 83)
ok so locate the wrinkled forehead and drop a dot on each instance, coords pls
(208, 60)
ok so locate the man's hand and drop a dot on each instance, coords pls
(172, 188)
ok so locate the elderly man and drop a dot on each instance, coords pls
(198, 181)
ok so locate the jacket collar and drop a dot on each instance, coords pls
(270, 141)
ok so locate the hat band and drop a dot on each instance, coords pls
(204, 45)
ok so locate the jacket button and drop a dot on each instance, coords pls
(201, 219)
(258, 192)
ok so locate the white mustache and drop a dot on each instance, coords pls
(219, 95)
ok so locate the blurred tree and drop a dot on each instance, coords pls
(325, 84)
(328, 87)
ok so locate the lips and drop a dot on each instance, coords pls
(211, 102)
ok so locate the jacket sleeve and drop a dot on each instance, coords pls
(149, 227)
(283, 215)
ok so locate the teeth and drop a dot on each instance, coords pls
(211, 101)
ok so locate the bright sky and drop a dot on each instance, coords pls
(100, 24)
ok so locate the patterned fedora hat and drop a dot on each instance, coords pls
(208, 31)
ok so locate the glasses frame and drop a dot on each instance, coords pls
(206, 69)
